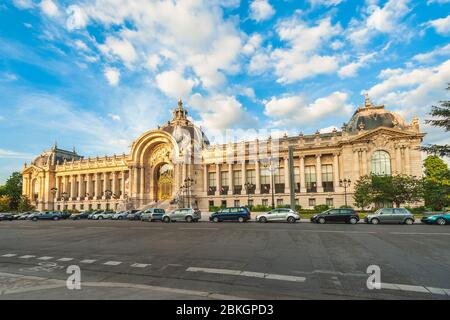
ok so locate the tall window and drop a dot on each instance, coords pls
(310, 179)
(251, 178)
(381, 163)
(224, 182)
(279, 180)
(237, 181)
(265, 180)
(212, 183)
(297, 179)
(327, 178)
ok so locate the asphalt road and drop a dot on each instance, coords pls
(142, 260)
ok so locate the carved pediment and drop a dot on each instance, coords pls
(384, 134)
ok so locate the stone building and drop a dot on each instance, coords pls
(176, 163)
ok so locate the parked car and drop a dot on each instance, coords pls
(346, 215)
(439, 218)
(94, 212)
(390, 215)
(65, 214)
(102, 215)
(134, 215)
(183, 214)
(120, 215)
(46, 215)
(23, 215)
(6, 216)
(153, 214)
(280, 214)
(79, 216)
(241, 214)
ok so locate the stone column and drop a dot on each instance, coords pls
(407, 161)
(89, 185)
(244, 177)
(302, 175)
(105, 185)
(319, 173)
(218, 178)
(134, 191)
(114, 184)
(356, 165)
(398, 160)
(122, 187)
(81, 191)
(230, 178)
(286, 176)
(73, 195)
(336, 171)
(364, 162)
(205, 178)
(258, 177)
(142, 186)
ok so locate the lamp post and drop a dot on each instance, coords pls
(64, 197)
(269, 164)
(345, 183)
(53, 191)
(188, 183)
(125, 201)
(181, 196)
(248, 186)
(107, 194)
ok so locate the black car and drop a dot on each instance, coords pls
(6, 216)
(336, 215)
(79, 216)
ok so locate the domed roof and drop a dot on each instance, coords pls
(180, 126)
(371, 117)
(55, 156)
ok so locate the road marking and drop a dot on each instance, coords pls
(27, 256)
(65, 259)
(338, 231)
(45, 258)
(112, 263)
(87, 261)
(248, 274)
(139, 265)
(422, 233)
(9, 255)
(411, 288)
(198, 228)
(101, 227)
(146, 228)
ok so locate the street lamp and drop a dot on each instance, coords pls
(64, 197)
(125, 201)
(270, 165)
(248, 186)
(107, 194)
(345, 183)
(188, 184)
(53, 191)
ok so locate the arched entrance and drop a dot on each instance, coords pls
(164, 182)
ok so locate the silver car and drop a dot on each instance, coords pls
(280, 214)
(390, 215)
(184, 214)
(152, 214)
(102, 215)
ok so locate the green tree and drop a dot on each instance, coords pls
(441, 119)
(363, 192)
(25, 204)
(436, 183)
(13, 189)
(4, 203)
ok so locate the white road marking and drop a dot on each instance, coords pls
(45, 258)
(411, 288)
(101, 227)
(27, 256)
(198, 228)
(139, 265)
(146, 228)
(87, 261)
(422, 233)
(65, 259)
(248, 274)
(112, 263)
(9, 255)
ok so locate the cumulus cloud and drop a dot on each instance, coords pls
(174, 85)
(112, 75)
(431, 55)
(326, 3)
(14, 154)
(77, 18)
(442, 26)
(120, 48)
(261, 10)
(23, 4)
(295, 110)
(49, 8)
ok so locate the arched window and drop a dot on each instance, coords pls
(381, 163)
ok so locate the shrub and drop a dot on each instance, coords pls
(321, 207)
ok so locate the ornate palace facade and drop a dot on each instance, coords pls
(177, 162)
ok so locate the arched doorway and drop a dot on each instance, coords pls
(164, 182)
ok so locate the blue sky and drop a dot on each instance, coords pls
(95, 74)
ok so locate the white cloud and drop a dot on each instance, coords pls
(23, 4)
(431, 55)
(120, 48)
(351, 69)
(328, 129)
(153, 62)
(293, 111)
(253, 44)
(437, 1)
(174, 85)
(259, 63)
(114, 117)
(261, 10)
(14, 154)
(327, 3)
(49, 8)
(112, 75)
(77, 18)
(81, 45)
(442, 26)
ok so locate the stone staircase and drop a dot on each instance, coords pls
(166, 205)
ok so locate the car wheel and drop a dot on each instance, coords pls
(353, 220)
(34, 219)
(55, 218)
(240, 219)
(215, 219)
(441, 221)
(119, 218)
(189, 219)
(409, 221)
(291, 220)
(322, 220)
(166, 219)
(262, 220)
(375, 221)
(100, 218)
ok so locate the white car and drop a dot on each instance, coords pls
(102, 215)
(279, 214)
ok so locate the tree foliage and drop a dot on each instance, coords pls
(13, 189)
(25, 205)
(441, 119)
(436, 183)
(4, 203)
(363, 192)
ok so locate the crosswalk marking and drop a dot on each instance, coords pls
(65, 259)
(87, 261)
(27, 256)
(112, 263)
(270, 276)
(45, 258)
(8, 255)
(139, 265)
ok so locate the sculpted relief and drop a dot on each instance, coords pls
(161, 153)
